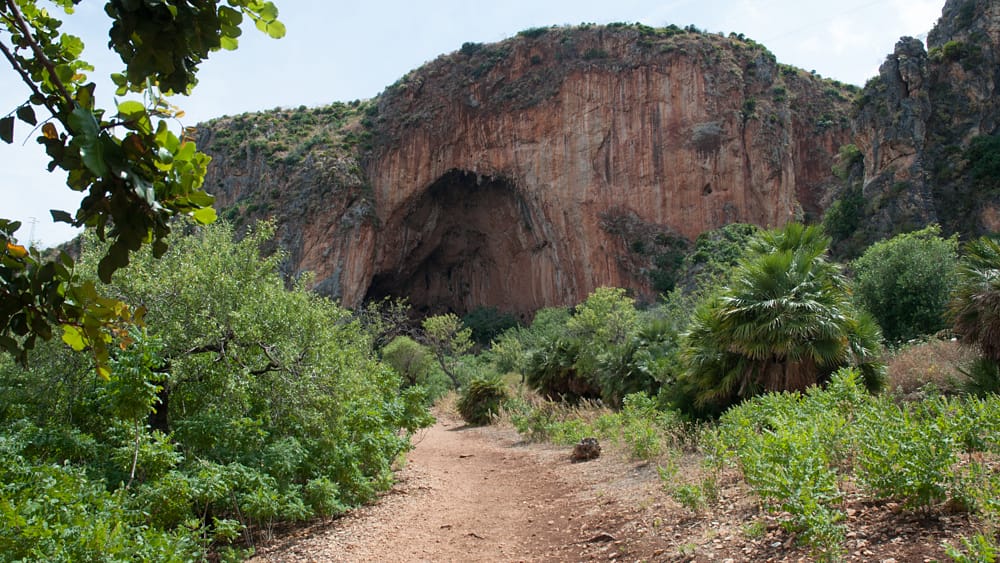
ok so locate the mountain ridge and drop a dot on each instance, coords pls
(528, 172)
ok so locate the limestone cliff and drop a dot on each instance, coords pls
(527, 173)
(927, 127)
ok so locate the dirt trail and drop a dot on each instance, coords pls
(480, 494)
(474, 494)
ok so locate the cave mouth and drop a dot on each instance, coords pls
(469, 241)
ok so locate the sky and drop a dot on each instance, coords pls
(342, 51)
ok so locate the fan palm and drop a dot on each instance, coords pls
(974, 309)
(783, 323)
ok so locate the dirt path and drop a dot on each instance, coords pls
(480, 494)
(474, 494)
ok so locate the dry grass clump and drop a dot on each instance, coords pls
(934, 362)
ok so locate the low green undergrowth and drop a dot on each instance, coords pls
(639, 428)
(801, 453)
(797, 452)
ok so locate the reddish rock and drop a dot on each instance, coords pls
(496, 170)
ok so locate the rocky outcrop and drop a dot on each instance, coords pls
(918, 120)
(527, 173)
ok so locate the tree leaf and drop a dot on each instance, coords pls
(131, 109)
(61, 216)
(92, 155)
(229, 17)
(228, 43)
(27, 114)
(269, 12)
(205, 215)
(65, 73)
(73, 337)
(276, 30)
(16, 250)
(85, 96)
(83, 122)
(7, 129)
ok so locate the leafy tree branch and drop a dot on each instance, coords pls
(135, 172)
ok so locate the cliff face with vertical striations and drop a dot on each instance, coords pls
(529, 172)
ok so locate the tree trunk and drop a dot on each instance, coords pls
(448, 372)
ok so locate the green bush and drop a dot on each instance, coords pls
(448, 340)
(848, 156)
(411, 360)
(980, 548)
(904, 456)
(241, 404)
(983, 156)
(843, 219)
(905, 282)
(566, 361)
(55, 512)
(714, 255)
(643, 426)
(794, 450)
(481, 399)
(533, 32)
(790, 449)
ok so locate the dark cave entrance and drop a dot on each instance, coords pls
(469, 241)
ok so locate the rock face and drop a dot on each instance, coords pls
(919, 123)
(527, 173)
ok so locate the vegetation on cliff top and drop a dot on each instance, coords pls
(528, 69)
(288, 136)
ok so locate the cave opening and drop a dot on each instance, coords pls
(468, 241)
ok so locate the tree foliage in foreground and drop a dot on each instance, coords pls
(784, 322)
(240, 405)
(134, 171)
